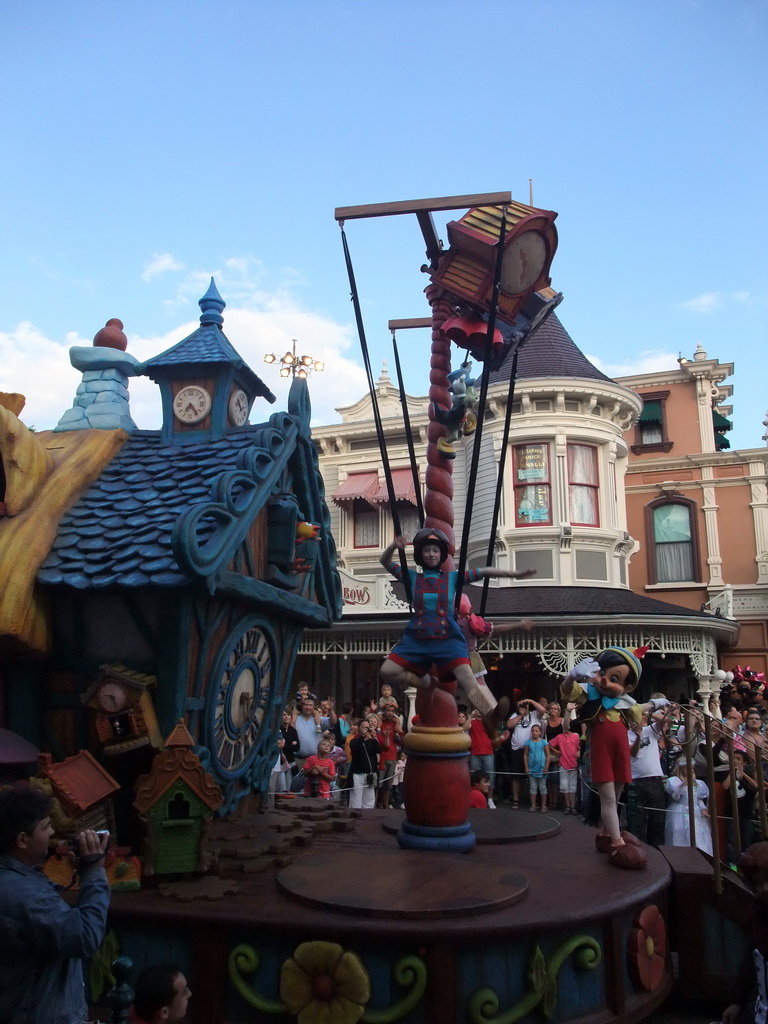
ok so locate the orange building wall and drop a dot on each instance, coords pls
(737, 534)
(682, 416)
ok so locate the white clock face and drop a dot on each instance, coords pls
(112, 696)
(191, 404)
(524, 260)
(238, 407)
(242, 695)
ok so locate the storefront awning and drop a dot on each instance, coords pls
(358, 485)
(651, 412)
(402, 481)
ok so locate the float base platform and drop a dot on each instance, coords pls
(535, 930)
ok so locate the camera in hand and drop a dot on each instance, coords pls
(75, 843)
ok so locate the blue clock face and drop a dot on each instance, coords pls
(240, 700)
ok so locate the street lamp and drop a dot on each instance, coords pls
(292, 365)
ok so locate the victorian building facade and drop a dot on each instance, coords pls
(569, 468)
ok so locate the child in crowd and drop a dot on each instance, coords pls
(280, 777)
(481, 787)
(302, 691)
(677, 830)
(320, 771)
(567, 744)
(536, 760)
(397, 781)
(386, 698)
(339, 757)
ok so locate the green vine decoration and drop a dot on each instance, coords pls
(100, 976)
(408, 971)
(245, 960)
(542, 982)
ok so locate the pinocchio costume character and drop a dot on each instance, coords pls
(601, 688)
(432, 636)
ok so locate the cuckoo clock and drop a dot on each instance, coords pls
(124, 713)
(467, 268)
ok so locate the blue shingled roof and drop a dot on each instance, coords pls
(208, 344)
(119, 532)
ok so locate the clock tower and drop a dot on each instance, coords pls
(207, 388)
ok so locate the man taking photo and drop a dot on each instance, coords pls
(42, 938)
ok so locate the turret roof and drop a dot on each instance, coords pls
(551, 352)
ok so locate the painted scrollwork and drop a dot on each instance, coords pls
(206, 536)
(542, 983)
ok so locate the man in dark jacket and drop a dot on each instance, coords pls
(42, 939)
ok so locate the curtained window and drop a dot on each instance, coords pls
(365, 524)
(409, 518)
(651, 431)
(583, 483)
(672, 549)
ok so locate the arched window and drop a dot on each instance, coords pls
(672, 541)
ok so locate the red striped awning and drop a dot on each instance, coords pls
(358, 485)
(402, 480)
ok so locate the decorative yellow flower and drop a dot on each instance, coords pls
(323, 984)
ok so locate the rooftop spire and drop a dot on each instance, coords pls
(211, 306)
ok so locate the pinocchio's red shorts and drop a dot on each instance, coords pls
(609, 750)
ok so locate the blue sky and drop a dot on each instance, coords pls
(148, 145)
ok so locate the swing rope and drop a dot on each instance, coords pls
(500, 477)
(408, 434)
(478, 437)
(376, 413)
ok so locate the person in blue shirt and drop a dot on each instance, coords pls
(536, 757)
(432, 636)
(42, 939)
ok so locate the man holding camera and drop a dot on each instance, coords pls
(42, 939)
(529, 713)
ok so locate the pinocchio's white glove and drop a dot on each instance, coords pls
(584, 671)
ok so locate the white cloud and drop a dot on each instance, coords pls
(742, 298)
(39, 367)
(706, 303)
(160, 264)
(649, 361)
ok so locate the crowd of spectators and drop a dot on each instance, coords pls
(357, 759)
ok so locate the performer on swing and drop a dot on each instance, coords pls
(432, 636)
(601, 688)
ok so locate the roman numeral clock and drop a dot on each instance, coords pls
(239, 698)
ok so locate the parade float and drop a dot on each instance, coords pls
(154, 591)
